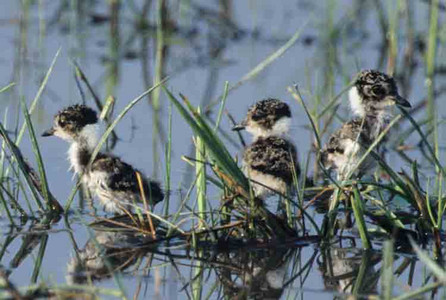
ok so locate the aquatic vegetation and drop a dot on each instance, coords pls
(173, 79)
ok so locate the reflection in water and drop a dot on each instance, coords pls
(236, 273)
(103, 254)
(349, 271)
(260, 274)
(242, 273)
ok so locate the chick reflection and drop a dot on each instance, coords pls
(103, 254)
(260, 274)
(349, 269)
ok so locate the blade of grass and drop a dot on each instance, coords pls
(51, 202)
(358, 211)
(374, 145)
(37, 97)
(387, 270)
(168, 156)
(105, 110)
(119, 118)
(38, 263)
(296, 95)
(6, 208)
(424, 138)
(436, 269)
(215, 146)
(417, 294)
(16, 153)
(263, 64)
(222, 106)
(5, 88)
(200, 171)
(430, 72)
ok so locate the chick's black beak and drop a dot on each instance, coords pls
(48, 132)
(238, 127)
(400, 101)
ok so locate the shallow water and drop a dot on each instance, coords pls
(210, 46)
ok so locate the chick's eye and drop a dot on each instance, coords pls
(62, 122)
(339, 150)
(378, 90)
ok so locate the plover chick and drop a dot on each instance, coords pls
(371, 99)
(269, 117)
(271, 160)
(113, 181)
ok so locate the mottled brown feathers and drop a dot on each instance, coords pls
(122, 177)
(266, 112)
(273, 156)
(374, 85)
(76, 117)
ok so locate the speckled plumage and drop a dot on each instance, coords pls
(271, 161)
(267, 112)
(268, 117)
(113, 181)
(375, 85)
(346, 146)
(74, 118)
(370, 100)
(376, 91)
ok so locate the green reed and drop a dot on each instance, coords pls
(197, 278)
(168, 159)
(200, 171)
(36, 99)
(36, 185)
(430, 69)
(261, 66)
(51, 202)
(387, 277)
(22, 165)
(358, 210)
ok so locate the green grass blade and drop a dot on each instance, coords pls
(266, 62)
(216, 148)
(358, 211)
(168, 156)
(419, 293)
(222, 106)
(436, 269)
(38, 262)
(24, 168)
(37, 97)
(5, 88)
(424, 138)
(51, 202)
(387, 270)
(374, 144)
(120, 116)
(200, 171)
(263, 64)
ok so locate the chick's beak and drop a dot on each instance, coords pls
(48, 132)
(400, 101)
(240, 126)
